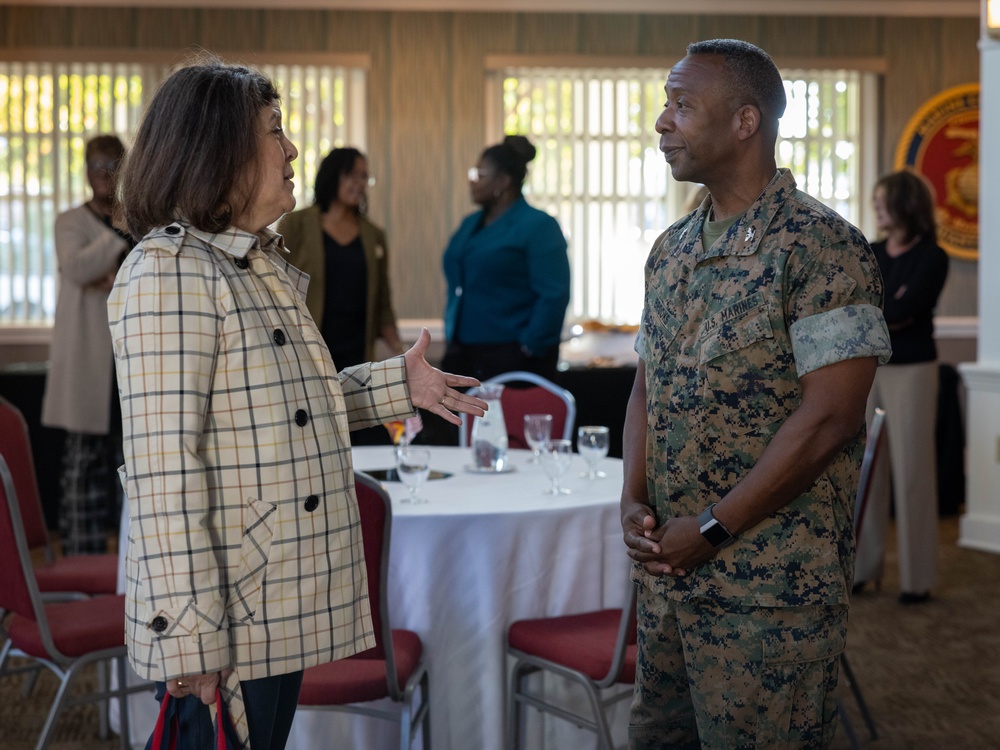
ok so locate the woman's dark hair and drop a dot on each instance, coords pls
(104, 144)
(197, 139)
(332, 169)
(910, 204)
(511, 158)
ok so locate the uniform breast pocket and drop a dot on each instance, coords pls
(746, 375)
(245, 592)
(659, 329)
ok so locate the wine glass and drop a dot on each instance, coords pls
(537, 430)
(413, 465)
(592, 443)
(556, 457)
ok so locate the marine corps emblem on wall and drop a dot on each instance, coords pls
(941, 142)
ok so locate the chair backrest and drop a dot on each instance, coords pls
(18, 588)
(375, 508)
(625, 640)
(541, 397)
(873, 450)
(15, 446)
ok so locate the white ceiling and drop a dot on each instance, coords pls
(929, 8)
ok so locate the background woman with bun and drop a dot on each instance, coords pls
(507, 273)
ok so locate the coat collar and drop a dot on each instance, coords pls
(232, 241)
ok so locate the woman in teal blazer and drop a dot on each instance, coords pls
(507, 272)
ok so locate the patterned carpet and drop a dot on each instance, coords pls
(930, 672)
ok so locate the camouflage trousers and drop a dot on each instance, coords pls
(712, 676)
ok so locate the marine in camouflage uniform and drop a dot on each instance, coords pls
(741, 650)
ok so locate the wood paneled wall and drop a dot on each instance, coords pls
(426, 87)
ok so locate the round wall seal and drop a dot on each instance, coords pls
(941, 142)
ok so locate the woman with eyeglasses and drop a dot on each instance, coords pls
(346, 257)
(78, 392)
(507, 272)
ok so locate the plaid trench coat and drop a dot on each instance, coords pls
(244, 544)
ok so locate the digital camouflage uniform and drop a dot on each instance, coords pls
(726, 335)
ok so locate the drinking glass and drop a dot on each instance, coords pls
(413, 465)
(592, 443)
(556, 457)
(537, 430)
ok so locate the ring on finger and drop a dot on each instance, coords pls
(181, 685)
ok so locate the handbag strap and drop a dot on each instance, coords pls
(221, 719)
(160, 727)
(221, 714)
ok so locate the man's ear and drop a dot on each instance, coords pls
(748, 120)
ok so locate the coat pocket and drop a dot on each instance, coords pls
(245, 592)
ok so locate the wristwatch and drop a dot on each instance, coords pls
(714, 532)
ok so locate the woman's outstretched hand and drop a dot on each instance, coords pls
(434, 390)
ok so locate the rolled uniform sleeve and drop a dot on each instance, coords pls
(834, 307)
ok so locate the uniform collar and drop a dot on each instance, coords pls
(744, 236)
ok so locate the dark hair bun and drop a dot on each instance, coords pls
(520, 146)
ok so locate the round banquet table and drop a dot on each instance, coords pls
(482, 552)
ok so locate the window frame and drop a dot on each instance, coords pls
(870, 72)
(357, 67)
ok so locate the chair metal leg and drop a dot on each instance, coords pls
(124, 731)
(425, 696)
(62, 695)
(856, 691)
(30, 680)
(515, 715)
(845, 722)
(104, 706)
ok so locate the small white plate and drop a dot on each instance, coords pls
(476, 470)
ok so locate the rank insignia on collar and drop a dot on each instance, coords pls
(750, 235)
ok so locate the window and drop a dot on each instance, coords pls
(48, 111)
(599, 171)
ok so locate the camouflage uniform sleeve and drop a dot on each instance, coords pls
(834, 307)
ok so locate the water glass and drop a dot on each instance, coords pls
(537, 430)
(413, 465)
(556, 457)
(592, 443)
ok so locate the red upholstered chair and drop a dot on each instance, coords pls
(542, 396)
(595, 650)
(874, 449)
(394, 668)
(62, 637)
(82, 574)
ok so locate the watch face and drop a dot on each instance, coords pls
(715, 534)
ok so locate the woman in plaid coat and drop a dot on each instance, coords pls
(245, 563)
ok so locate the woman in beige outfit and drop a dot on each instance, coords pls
(78, 392)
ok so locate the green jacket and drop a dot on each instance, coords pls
(303, 235)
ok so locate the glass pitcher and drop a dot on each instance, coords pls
(489, 432)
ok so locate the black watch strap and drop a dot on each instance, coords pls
(714, 532)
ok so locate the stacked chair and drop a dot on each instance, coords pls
(64, 637)
(72, 576)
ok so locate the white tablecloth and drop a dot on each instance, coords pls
(482, 552)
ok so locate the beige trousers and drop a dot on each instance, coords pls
(908, 393)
